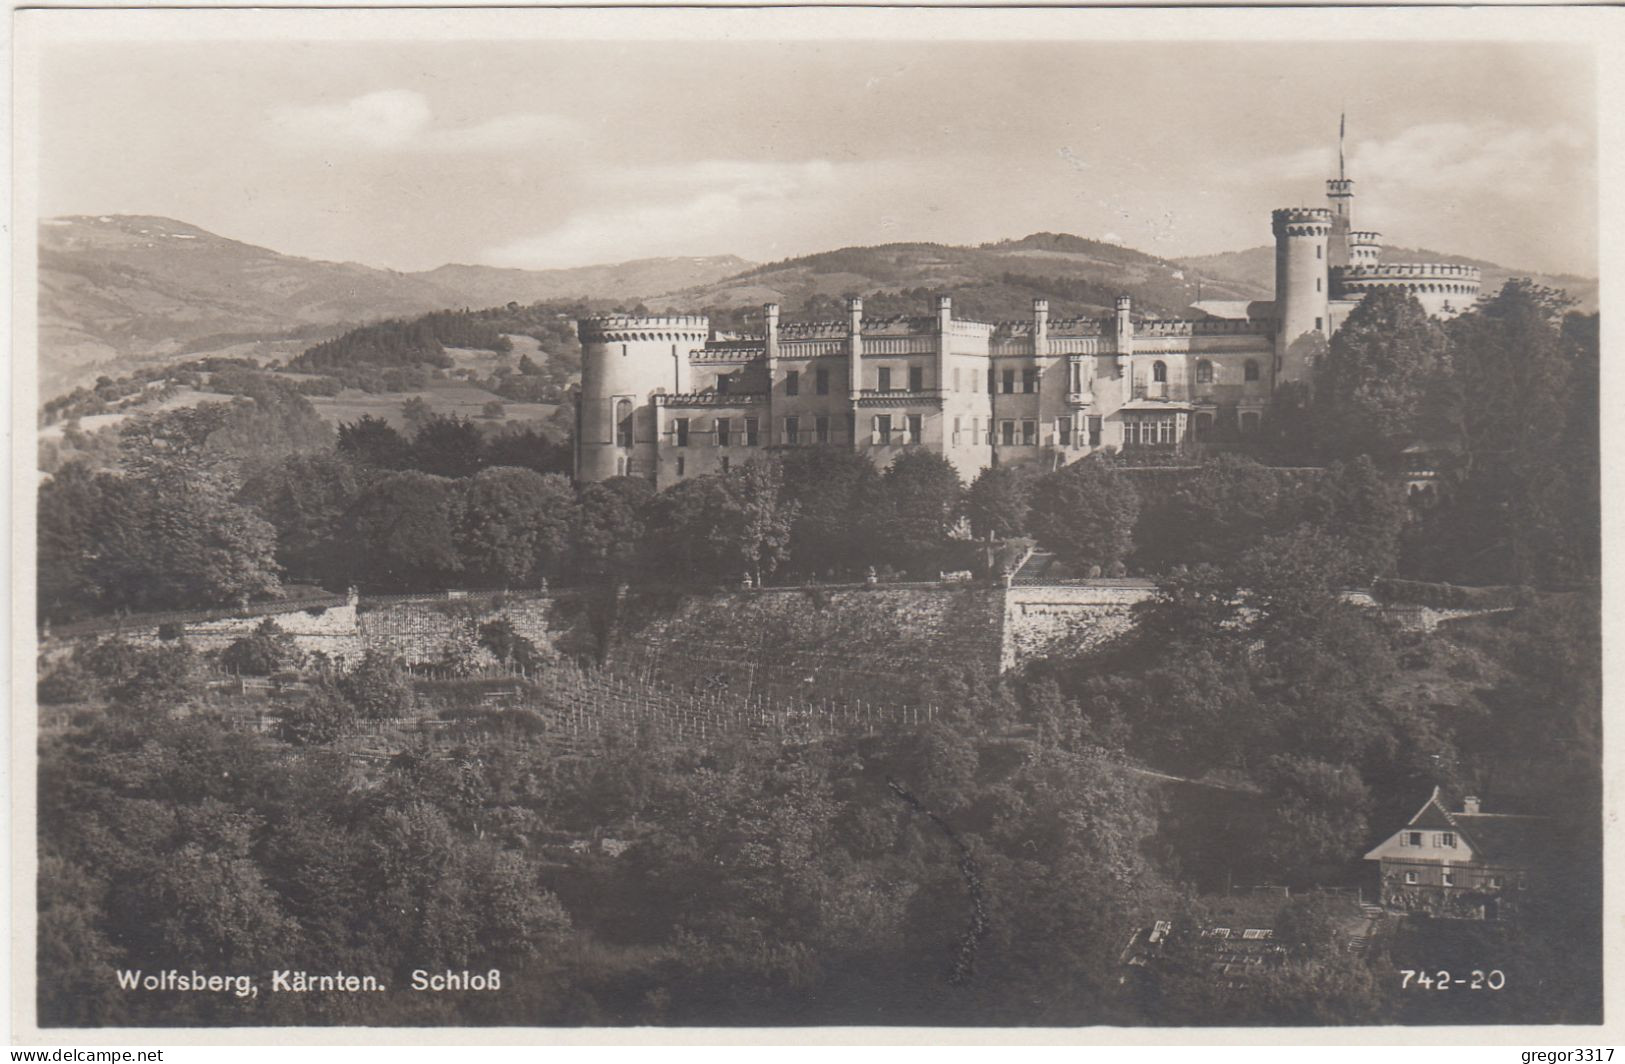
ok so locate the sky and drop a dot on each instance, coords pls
(553, 153)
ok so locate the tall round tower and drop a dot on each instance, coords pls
(1301, 236)
(625, 361)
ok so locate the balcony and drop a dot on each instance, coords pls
(898, 396)
(711, 399)
(1165, 391)
(1080, 398)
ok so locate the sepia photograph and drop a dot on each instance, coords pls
(763, 519)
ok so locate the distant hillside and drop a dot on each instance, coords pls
(992, 282)
(489, 286)
(1256, 267)
(118, 291)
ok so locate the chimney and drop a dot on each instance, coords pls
(1040, 328)
(1469, 804)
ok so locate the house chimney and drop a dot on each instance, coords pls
(1469, 804)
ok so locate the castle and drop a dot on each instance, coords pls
(663, 399)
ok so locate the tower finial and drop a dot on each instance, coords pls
(1342, 128)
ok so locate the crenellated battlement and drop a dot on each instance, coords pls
(1364, 236)
(729, 352)
(1425, 271)
(1340, 186)
(1057, 327)
(812, 330)
(1301, 221)
(629, 328)
(1205, 327)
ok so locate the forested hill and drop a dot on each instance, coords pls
(1256, 267)
(989, 282)
(121, 291)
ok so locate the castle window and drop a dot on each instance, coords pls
(1009, 382)
(792, 382)
(1317, 251)
(1063, 431)
(722, 384)
(623, 423)
(725, 463)
(822, 378)
(1159, 372)
(680, 431)
(990, 378)
(1410, 879)
(1029, 380)
(1249, 370)
(882, 433)
(1249, 423)
(792, 430)
(1497, 882)
(679, 465)
(1029, 433)
(1412, 838)
(916, 378)
(1317, 285)
(750, 432)
(1318, 324)
(1007, 433)
(1204, 372)
(724, 436)
(915, 428)
(956, 378)
(1447, 838)
(885, 379)
(1094, 431)
(1203, 425)
(821, 428)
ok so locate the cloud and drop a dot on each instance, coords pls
(402, 120)
(1486, 156)
(1477, 156)
(703, 207)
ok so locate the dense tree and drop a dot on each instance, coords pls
(529, 448)
(402, 527)
(448, 447)
(1511, 375)
(609, 527)
(1371, 387)
(997, 501)
(1363, 508)
(1215, 515)
(373, 441)
(835, 493)
(1085, 514)
(72, 505)
(318, 719)
(378, 687)
(266, 650)
(920, 507)
(307, 499)
(513, 525)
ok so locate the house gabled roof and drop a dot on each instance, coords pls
(1496, 838)
(1433, 814)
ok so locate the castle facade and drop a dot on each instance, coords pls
(663, 399)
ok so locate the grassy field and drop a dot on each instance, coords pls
(458, 398)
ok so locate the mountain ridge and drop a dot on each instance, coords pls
(118, 291)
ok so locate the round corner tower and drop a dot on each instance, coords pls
(625, 362)
(1301, 281)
